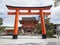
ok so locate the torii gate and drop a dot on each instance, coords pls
(40, 13)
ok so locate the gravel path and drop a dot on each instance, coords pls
(28, 40)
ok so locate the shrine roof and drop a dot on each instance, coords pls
(28, 18)
(28, 21)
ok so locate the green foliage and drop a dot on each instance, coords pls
(50, 33)
(47, 21)
(2, 29)
(1, 21)
(38, 26)
(50, 26)
(55, 2)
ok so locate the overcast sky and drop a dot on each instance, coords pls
(9, 20)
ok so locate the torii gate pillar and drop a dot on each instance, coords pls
(43, 24)
(16, 25)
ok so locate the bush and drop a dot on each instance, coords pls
(50, 33)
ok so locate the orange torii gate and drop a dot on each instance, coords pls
(40, 13)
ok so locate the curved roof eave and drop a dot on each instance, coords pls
(21, 7)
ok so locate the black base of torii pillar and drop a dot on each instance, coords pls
(44, 36)
(15, 36)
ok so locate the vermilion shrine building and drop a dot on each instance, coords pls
(28, 23)
(41, 13)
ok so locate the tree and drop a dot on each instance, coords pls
(47, 21)
(38, 27)
(1, 21)
(49, 26)
(56, 3)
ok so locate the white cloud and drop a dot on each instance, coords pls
(55, 15)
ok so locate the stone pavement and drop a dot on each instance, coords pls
(28, 40)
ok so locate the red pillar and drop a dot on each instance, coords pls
(43, 24)
(16, 25)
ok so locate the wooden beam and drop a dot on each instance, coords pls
(46, 13)
(21, 13)
(28, 13)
